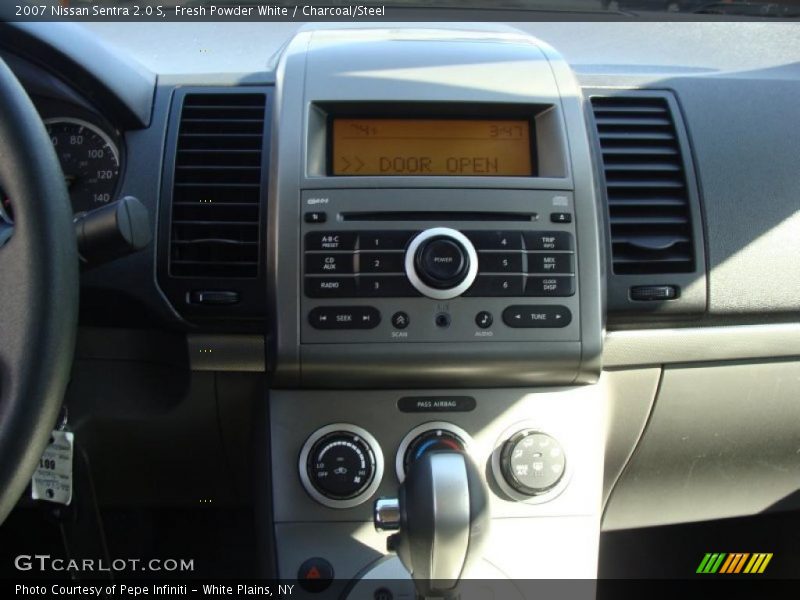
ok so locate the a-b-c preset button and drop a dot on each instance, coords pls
(344, 317)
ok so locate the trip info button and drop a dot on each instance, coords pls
(344, 317)
(531, 316)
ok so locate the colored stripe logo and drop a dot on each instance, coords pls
(734, 562)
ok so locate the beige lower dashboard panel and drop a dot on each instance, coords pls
(700, 344)
(722, 441)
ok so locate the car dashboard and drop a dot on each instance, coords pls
(564, 249)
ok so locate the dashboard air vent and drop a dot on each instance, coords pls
(648, 198)
(217, 186)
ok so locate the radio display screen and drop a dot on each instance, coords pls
(419, 147)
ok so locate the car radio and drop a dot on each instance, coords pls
(486, 265)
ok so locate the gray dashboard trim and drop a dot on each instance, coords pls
(700, 344)
(121, 85)
(622, 349)
(224, 352)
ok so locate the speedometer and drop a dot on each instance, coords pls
(89, 159)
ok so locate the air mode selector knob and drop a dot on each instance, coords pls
(441, 263)
(532, 462)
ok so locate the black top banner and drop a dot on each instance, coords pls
(189, 11)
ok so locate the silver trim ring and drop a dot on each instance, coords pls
(377, 477)
(421, 286)
(418, 431)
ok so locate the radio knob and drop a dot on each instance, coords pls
(441, 263)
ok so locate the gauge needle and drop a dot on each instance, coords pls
(70, 180)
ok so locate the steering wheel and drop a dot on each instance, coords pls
(38, 290)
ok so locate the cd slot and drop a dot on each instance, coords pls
(447, 216)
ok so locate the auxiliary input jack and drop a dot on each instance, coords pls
(442, 320)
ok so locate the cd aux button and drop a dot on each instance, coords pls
(329, 263)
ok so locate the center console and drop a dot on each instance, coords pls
(436, 287)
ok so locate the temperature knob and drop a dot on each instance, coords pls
(429, 437)
(532, 462)
(339, 465)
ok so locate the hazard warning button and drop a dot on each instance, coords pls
(315, 575)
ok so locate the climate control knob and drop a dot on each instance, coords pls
(532, 462)
(441, 263)
(341, 465)
(430, 437)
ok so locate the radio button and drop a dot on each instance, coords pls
(344, 317)
(550, 286)
(496, 285)
(548, 240)
(330, 287)
(331, 240)
(495, 240)
(385, 286)
(547, 316)
(329, 264)
(550, 263)
(381, 262)
(384, 240)
(500, 262)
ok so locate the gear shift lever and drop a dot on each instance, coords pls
(441, 513)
